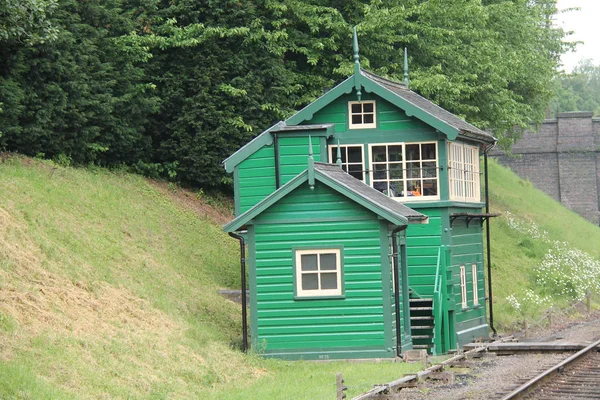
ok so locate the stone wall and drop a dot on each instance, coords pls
(562, 159)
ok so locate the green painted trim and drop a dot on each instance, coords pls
(295, 277)
(410, 109)
(236, 190)
(264, 139)
(252, 286)
(405, 292)
(387, 290)
(309, 111)
(340, 353)
(316, 133)
(303, 220)
(323, 144)
(265, 203)
(444, 179)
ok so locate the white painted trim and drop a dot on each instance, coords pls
(463, 286)
(362, 126)
(475, 284)
(404, 174)
(345, 147)
(318, 292)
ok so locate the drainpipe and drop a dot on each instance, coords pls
(487, 238)
(243, 272)
(276, 154)
(397, 286)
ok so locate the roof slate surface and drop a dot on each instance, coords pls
(431, 108)
(367, 192)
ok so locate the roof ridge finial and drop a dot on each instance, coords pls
(356, 63)
(338, 161)
(406, 67)
(311, 165)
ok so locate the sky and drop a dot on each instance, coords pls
(586, 26)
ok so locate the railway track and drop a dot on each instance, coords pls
(576, 377)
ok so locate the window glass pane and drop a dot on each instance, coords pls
(329, 281)
(380, 171)
(333, 153)
(413, 170)
(412, 152)
(310, 281)
(429, 170)
(381, 186)
(428, 151)
(328, 262)
(356, 119)
(396, 189)
(395, 153)
(414, 188)
(354, 154)
(356, 108)
(368, 118)
(309, 262)
(396, 171)
(367, 107)
(355, 171)
(430, 187)
(379, 154)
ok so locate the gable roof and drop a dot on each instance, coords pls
(413, 104)
(464, 128)
(399, 95)
(335, 178)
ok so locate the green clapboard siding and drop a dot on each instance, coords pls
(467, 249)
(423, 243)
(293, 155)
(286, 324)
(256, 178)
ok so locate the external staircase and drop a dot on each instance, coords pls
(422, 323)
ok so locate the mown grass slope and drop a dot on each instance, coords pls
(108, 289)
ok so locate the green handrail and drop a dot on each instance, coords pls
(438, 305)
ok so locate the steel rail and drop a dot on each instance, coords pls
(533, 383)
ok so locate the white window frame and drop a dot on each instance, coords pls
(371, 125)
(463, 286)
(463, 172)
(299, 273)
(344, 148)
(406, 198)
(475, 285)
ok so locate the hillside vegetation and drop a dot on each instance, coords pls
(108, 288)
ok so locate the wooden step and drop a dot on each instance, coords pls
(424, 317)
(422, 346)
(420, 308)
(422, 336)
(417, 300)
(421, 327)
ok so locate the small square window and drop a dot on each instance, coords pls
(318, 273)
(362, 115)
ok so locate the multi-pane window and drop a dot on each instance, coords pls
(475, 288)
(352, 159)
(463, 286)
(405, 170)
(318, 273)
(361, 114)
(463, 172)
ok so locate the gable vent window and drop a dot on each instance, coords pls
(318, 273)
(362, 114)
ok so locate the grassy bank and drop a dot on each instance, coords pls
(108, 288)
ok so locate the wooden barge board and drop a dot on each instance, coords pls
(529, 347)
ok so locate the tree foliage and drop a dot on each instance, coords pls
(175, 87)
(578, 91)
